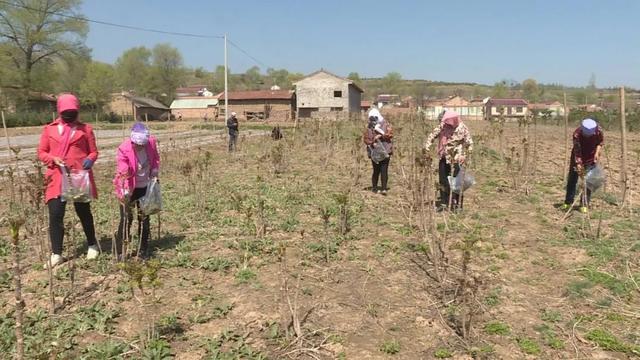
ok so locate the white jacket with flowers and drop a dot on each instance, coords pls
(459, 145)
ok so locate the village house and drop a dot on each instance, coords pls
(365, 105)
(36, 101)
(468, 110)
(509, 108)
(276, 105)
(554, 108)
(194, 107)
(322, 93)
(141, 108)
(589, 107)
(388, 100)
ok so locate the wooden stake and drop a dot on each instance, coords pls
(6, 134)
(623, 131)
(565, 170)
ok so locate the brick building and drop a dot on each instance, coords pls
(127, 104)
(276, 105)
(323, 92)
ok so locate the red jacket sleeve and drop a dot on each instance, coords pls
(600, 137)
(93, 148)
(577, 147)
(367, 137)
(44, 149)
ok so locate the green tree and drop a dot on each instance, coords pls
(530, 90)
(67, 74)
(133, 70)
(391, 82)
(218, 79)
(500, 90)
(36, 32)
(293, 77)
(167, 72)
(279, 77)
(253, 79)
(97, 86)
(581, 96)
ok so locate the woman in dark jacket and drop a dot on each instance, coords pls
(378, 138)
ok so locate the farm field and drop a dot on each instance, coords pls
(279, 251)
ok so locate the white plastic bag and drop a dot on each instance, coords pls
(151, 202)
(378, 152)
(76, 185)
(595, 178)
(463, 181)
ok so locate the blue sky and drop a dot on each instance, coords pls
(552, 41)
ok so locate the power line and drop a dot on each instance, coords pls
(137, 28)
(114, 24)
(246, 53)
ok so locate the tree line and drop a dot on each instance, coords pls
(43, 49)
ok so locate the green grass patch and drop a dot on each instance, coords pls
(610, 282)
(246, 275)
(550, 337)
(579, 288)
(529, 346)
(497, 328)
(551, 316)
(608, 341)
(443, 353)
(390, 347)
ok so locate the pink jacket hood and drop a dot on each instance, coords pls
(68, 102)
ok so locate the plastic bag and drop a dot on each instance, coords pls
(463, 181)
(76, 185)
(379, 152)
(151, 202)
(595, 178)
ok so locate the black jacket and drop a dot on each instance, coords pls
(232, 124)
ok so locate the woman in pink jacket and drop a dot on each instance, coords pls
(137, 162)
(68, 143)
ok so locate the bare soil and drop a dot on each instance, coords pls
(553, 284)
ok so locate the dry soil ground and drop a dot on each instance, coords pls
(252, 244)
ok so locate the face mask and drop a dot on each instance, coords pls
(69, 116)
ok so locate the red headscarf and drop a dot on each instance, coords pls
(450, 122)
(66, 102)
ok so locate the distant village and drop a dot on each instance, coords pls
(319, 94)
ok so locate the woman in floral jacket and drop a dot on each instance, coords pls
(454, 144)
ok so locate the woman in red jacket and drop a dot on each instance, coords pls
(66, 142)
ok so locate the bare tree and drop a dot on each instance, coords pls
(37, 31)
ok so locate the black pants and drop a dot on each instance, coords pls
(233, 139)
(380, 170)
(57, 209)
(144, 224)
(444, 171)
(572, 184)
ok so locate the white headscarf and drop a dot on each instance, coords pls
(375, 112)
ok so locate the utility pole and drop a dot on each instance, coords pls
(566, 139)
(226, 81)
(623, 133)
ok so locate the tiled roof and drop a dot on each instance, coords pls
(257, 95)
(511, 102)
(196, 102)
(146, 102)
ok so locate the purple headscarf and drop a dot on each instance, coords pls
(139, 134)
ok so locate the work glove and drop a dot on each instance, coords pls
(87, 164)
